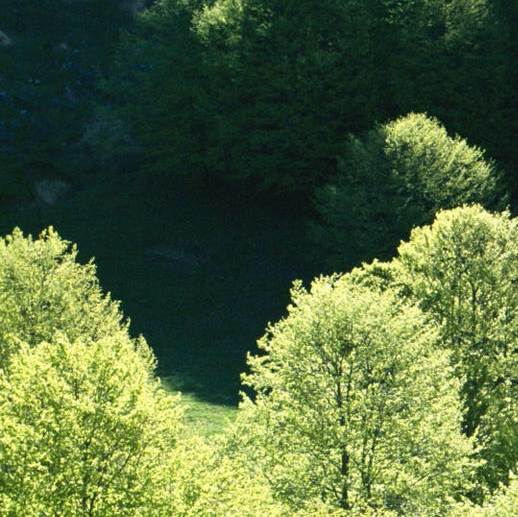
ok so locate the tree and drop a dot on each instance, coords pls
(86, 430)
(504, 503)
(355, 405)
(394, 178)
(157, 99)
(211, 479)
(502, 44)
(462, 270)
(44, 290)
(268, 91)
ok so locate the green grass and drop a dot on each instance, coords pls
(202, 417)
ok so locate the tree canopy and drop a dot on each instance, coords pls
(389, 390)
(44, 290)
(394, 178)
(355, 404)
(86, 427)
(461, 270)
(86, 431)
(255, 90)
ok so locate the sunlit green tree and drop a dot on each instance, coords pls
(462, 270)
(355, 405)
(44, 289)
(396, 177)
(211, 479)
(504, 503)
(86, 428)
(86, 431)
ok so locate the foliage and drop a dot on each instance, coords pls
(462, 270)
(86, 427)
(268, 92)
(44, 290)
(86, 430)
(210, 480)
(504, 503)
(355, 405)
(154, 101)
(394, 178)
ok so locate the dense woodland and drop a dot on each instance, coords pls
(389, 386)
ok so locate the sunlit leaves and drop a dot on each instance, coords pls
(44, 289)
(86, 430)
(463, 270)
(355, 404)
(396, 177)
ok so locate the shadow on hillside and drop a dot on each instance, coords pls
(200, 272)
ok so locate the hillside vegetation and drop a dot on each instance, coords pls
(339, 178)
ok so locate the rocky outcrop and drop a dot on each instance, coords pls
(5, 40)
(49, 191)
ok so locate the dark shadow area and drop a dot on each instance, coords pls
(200, 272)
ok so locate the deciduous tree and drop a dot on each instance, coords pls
(355, 405)
(86, 431)
(396, 177)
(269, 91)
(44, 289)
(462, 270)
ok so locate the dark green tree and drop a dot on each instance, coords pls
(268, 92)
(157, 103)
(396, 177)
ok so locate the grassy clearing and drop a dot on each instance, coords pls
(199, 273)
(202, 417)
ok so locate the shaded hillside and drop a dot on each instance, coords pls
(51, 54)
(199, 275)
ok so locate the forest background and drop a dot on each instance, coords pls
(197, 129)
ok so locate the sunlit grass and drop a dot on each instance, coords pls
(201, 417)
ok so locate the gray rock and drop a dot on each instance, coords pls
(49, 191)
